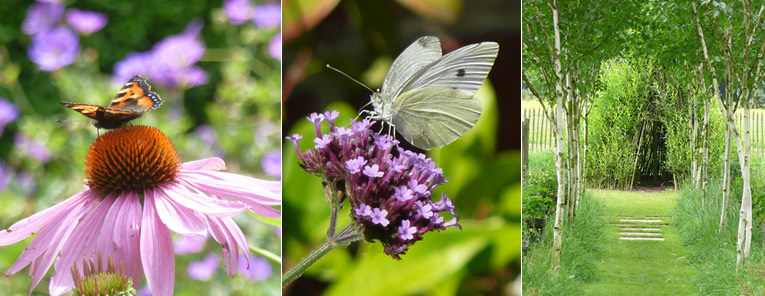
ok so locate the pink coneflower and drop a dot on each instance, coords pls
(136, 191)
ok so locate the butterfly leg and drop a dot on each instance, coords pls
(359, 115)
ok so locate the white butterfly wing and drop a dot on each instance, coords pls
(434, 117)
(422, 52)
(464, 69)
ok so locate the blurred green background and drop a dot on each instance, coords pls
(362, 38)
(223, 103)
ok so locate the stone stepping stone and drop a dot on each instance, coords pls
(640, 229)
(641, 220)
(640, 233)
(642, 238)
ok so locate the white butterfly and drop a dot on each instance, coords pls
(428, 98)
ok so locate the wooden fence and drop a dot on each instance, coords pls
(540, 133)
(540, 130)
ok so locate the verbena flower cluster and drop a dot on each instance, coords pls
(389, 189)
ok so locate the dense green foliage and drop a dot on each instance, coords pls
(674, 114)
(539, 186)
(615, 122)
(580, 248)
(713, 252)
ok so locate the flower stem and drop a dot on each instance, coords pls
(345, 237)
(348, 235)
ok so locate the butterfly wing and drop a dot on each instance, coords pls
(88, 110)
(434, 117)
(463, 69)
(136, 96)
(104, 117)
(414, 58)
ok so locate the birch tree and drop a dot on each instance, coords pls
(559, 40)
(742, 67)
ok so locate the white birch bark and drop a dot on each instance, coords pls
(560, 114)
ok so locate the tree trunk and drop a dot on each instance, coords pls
(572, 128)
(744, 242)
(637, 154)
(726, 180)
(559, 153)
(694, 127)
(582, 155)
(705, 148)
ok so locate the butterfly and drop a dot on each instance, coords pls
(134, 99)
(427, 97)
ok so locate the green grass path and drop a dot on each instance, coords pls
(640, 267)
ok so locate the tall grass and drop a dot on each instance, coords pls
(580, 251)
(713, 253)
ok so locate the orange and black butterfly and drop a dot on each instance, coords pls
(131, 102)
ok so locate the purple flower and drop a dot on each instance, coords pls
(189, 244)
(373, 171)
(403, 193)
(424, 210)
(206, 134)
(354, 165)
(8, 113)
(406, 231)
(272, 163)
(322, 142)
(378, 217)
(238, 11)
(170, 62)
(180, 51)
(32, 148)
(363, 210)
(268, 16)
(316, 118)
(395, 185)
(203, 270)
(257, 269)
(42, 17)
(87, 22)
(275, 47)
(54, 49)
(136, 63)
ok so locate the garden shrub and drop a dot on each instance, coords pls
(540, 186)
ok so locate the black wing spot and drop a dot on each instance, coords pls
(121, 94)
(461, 73)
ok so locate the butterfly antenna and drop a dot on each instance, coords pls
(349, 77)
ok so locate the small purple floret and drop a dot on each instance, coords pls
(406, 231)
(378, 217)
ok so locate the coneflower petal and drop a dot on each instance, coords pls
(42, 242)
(178, 218)
(212, 163)
(238, 236)
(229, 247)
(272, 186)
(202, 203)
(127, 231)
(156, 250)
(85, 241)
(28, 226)
(60, 234)
(244, 192)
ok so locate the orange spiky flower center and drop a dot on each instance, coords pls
(131, 158)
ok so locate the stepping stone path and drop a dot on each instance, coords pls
(647, 228)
